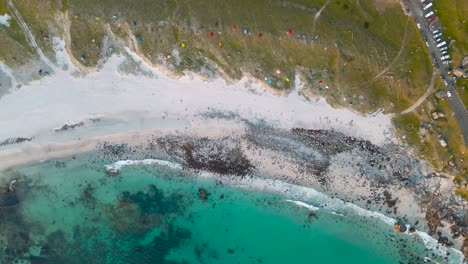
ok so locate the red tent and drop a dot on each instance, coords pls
(289, 32)
(233, 27)
(211, 35)
(260, 35)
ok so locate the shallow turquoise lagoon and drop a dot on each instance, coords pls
(71, 211)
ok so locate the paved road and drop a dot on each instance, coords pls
(427, 27)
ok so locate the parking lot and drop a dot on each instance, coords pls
(432, 33)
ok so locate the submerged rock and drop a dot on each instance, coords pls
(112, 172)
(202, 193)
(8, 198)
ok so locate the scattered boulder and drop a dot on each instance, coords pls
(442, 142)
(464, 63)
(440, 94)
(403, 228)
(112, 172)
(452, 163)
(460, 73)
(202, 193)
(444, 240)
(437, 114)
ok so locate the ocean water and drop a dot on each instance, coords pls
(71, 211)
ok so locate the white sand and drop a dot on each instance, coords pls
(137, 103)
(5, 20)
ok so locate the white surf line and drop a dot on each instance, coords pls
(302, 204)
(116, 166)
(422, 98)
(333, 205)
(29, 35)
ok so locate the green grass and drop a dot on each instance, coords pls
(14, 48)
(462, 89)
(409, 124)
(453, 15)
(367, 41)
(463, 192)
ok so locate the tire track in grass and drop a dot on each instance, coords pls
(430, 88)
(29, 35)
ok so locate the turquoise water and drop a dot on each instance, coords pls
(70, 211)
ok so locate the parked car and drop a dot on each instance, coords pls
(443, 48)
(438, 40)
(437, 35)
(430, 13)
(445, 57)
(419, 25)
(443, 43)
(431, 18)
(425, 7)
(435, 31)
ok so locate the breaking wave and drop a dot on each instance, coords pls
(298, 195)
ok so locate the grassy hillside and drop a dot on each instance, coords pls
(352, 42)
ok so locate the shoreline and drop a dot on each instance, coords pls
(66, 114)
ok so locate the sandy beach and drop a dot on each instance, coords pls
(67, 113)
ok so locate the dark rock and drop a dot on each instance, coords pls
(402, 228)
(461, 217)
(443, 240)
(202, 194)
(10, 141)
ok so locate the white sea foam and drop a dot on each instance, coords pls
(298, 195)
(5, 19)
(302, 204)
(121, 163)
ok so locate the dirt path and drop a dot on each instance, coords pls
(396, 57)
(317, 15)
(29, 35)
(430, 88)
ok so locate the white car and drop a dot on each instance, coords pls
(419, 25)
(427, 44)
(445, 57)
(437, 35)
(443, 48)
(449, 94)
(435, 31)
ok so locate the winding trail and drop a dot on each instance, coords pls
(396, 57)
(317, 15)
(430, 88)
(29, 35)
